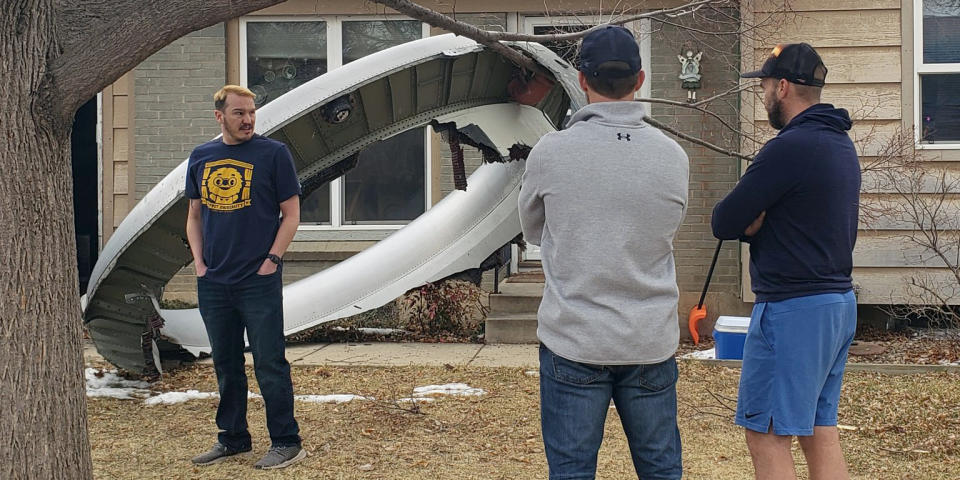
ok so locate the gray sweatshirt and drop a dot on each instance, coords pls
(604, 199)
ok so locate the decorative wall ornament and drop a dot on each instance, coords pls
(690, 71)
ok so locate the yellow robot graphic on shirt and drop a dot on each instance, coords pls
(225, 186)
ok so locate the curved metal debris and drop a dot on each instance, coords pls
(444, 78)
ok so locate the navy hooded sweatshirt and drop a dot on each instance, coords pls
(807, 179)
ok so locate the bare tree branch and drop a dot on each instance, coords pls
(698, 141)
(483, 37)
(692, 106)
(135, 31)
(443, 21)
(492, 40)
(913, 192)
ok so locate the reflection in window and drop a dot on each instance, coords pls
(568, 50)
(387, 186)
(940, 110)
(361, 38)
(941, 31)
(284, 55)
(315, 206)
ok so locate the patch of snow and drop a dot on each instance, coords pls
(460, 389)
(170, 398)
(372, 331)
(702, 354)
(532, 373)
(102, 383)
(336, 398)
(937, 334)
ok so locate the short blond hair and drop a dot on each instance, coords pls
(220, 98)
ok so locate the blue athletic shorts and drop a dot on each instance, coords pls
(793, 362)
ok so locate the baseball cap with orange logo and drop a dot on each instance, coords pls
(796, 62)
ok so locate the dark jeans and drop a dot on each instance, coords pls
(575, 398)
(254, 304)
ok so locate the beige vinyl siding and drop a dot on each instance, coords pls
(860, 42)
(870, 74)
(118, 169)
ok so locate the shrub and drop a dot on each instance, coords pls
(447, 307)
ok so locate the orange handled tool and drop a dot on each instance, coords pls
(699, 312)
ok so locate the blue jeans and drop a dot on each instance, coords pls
(254, 304)
(574, 399)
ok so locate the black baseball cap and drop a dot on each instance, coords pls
(796, 62)
(611, 43)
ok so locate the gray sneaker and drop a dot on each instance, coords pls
(217, 453)
(279, 457)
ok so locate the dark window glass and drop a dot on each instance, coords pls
(284, 55)
(315, 206)
(941, 31)
(361, 38)
(568, 50)
(387, 186)
(940, 108)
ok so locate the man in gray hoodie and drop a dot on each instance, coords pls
(604, 199)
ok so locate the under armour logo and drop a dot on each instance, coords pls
(623, 136)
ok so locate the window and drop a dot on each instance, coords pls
(388, 187)
(568, 50)
(284, 55)
(937, 62)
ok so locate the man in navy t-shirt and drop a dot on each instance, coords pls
(244, 211)
(797, 205)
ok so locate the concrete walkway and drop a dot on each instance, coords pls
(385, 354)
(390, 354)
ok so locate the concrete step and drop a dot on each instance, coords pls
(526, 276)
(516, 298)
(530, 265)
(511, 328)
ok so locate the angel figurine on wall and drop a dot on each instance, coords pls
(690, 72)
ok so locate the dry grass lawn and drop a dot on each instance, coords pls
(900, 427)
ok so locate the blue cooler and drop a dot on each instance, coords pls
(730, 333)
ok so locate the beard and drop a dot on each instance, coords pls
(775, 115)
(239, 133)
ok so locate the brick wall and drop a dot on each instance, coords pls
(173, 91)
(712, 174)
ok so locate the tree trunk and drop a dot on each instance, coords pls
(42, 394)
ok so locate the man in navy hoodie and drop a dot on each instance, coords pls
(797, 207)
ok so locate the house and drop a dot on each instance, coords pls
(879, 53)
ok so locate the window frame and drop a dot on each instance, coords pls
(641, 28)
(334, 27)
(919, 69)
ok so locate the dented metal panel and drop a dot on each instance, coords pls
(391, 91)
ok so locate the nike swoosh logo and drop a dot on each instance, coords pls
(751, 415)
